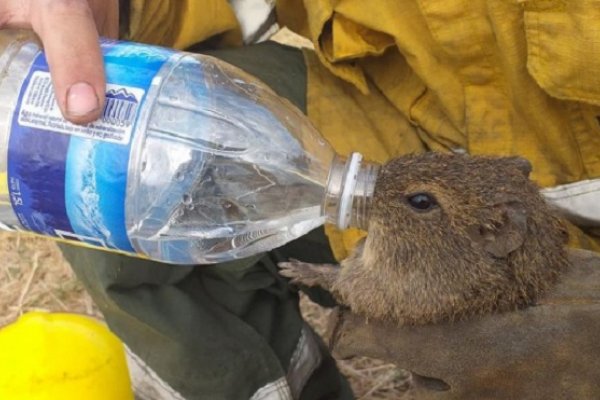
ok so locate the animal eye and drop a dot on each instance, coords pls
(422, 201)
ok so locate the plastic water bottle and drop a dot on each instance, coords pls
(193, 161)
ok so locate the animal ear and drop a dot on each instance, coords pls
(505, 234)
(522, 165)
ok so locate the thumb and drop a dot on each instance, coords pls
(71, 42)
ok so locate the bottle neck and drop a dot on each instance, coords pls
(350, 191)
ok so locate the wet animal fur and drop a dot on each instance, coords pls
(491, 244)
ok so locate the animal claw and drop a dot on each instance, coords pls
(288, 273)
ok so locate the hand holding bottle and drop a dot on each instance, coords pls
(69, 31)
(193, 161)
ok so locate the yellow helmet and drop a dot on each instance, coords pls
(49, 356)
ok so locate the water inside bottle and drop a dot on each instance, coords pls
(221, 174)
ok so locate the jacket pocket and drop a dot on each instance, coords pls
(563, 47)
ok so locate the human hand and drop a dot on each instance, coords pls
(69, 31)
(547, 351)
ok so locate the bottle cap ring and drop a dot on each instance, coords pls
(349, 185)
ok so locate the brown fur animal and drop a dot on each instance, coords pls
(449, 236)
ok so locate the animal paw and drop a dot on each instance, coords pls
(308, 274)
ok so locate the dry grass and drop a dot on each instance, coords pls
(34, 276)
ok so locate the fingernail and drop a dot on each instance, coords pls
(81, 99)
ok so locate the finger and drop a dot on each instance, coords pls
(70, 38)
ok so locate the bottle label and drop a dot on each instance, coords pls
(67, 180)
(39, 109)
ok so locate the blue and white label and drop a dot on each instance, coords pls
(67, 180)
(39, 109)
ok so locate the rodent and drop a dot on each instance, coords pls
(449, 236)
